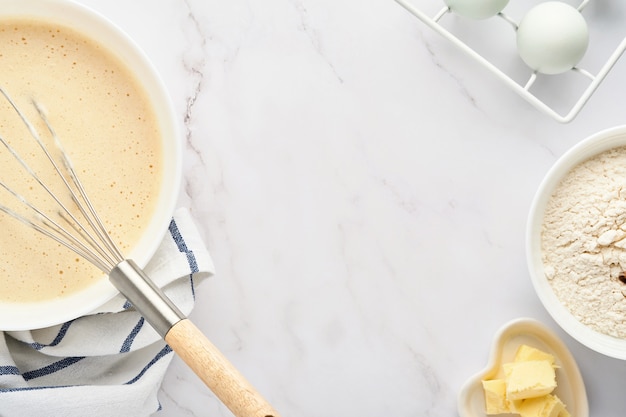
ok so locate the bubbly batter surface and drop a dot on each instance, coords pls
(106, 125)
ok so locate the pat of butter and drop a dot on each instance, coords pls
(546, 406)
(528, 353)
(529, 379)
(495, 397)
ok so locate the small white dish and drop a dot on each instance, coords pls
(570, 388)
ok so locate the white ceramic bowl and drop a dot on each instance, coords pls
(593, 145)
(43, 314)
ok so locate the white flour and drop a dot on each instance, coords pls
(584, 242)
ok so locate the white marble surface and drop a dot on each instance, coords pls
(363, 188)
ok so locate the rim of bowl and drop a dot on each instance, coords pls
(34, 315)
(593, 145)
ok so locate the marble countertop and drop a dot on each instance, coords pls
(363, 188)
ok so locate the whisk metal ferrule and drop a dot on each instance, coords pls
(145, 296)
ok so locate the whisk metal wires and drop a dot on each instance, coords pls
(86, 236)
(75, 223)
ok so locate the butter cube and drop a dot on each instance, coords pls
(546, 406)
(529, 379)
(495, 397)
(528, 353)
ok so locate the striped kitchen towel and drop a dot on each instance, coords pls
(109, 363)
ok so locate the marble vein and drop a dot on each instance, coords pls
(449, 72)
(194, 62)
(314, 36)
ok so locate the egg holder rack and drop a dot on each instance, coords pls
(522, 89)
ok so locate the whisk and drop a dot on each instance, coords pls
(78, 227)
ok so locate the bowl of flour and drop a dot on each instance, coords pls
(576, 242)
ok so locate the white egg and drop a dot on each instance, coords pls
(552, 37)
(476, 9)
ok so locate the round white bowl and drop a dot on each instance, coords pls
(589, 147)
(24, 316)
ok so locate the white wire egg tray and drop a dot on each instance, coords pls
(560, 96)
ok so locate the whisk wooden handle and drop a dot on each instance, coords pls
(217, 372)
(189, 343)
